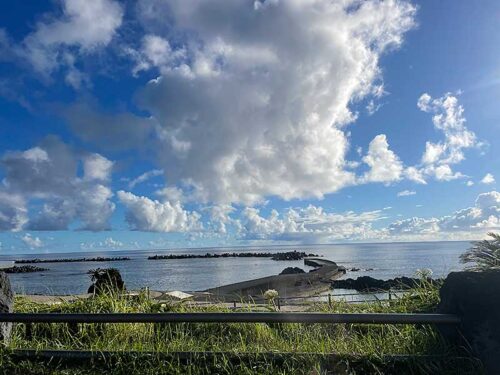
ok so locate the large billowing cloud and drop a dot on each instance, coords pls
(49, 173)
(384, 164)
(220, 218)
(252, 97)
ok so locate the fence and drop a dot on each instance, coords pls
(330, 299)
(238, 317)
(221, 318)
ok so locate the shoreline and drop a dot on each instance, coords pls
(307, 284)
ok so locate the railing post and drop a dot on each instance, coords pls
(329, 300)
(234, 304)
(6, 306)
(279, 304)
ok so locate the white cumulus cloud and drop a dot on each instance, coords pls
(112, 243)
(448, 117)
(149, 215)
(310, 224)
(84, 24)
(96, 167)
(48, 173)
(313, 224)
(471, 222)
(385, 165)
(246, 107)
(32, 242)
(488, 179)
(13, 212)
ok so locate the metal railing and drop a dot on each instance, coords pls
(329, 299)
(237, 317)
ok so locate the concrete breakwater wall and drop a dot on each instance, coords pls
(292, 285)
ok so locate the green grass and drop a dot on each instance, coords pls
(361, 348)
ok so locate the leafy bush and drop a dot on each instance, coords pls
(106, 280)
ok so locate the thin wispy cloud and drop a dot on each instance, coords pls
(406, 193)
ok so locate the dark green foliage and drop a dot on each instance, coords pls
(484, 255)
(106, 280)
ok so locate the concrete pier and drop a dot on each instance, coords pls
(294, 285)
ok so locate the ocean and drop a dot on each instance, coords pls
(387, 260)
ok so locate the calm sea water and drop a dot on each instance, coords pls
(388, 260)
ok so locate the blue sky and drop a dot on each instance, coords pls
(157, 123)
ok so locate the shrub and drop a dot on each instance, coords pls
(105, 280)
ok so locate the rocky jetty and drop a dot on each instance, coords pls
(292, 255)
(367, 283)
(289, 255)
(356, 269)
(69, 260)
(23, 269)
(292, 270)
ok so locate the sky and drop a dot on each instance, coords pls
(167, 123)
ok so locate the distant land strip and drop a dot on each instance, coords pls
(289, 255)
(68, 260)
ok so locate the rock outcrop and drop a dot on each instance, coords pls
(475, 298)
(292, 270)
(6, 306)
(367, 283)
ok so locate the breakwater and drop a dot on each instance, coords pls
(289, 255)
(23, 269)
(70, 260)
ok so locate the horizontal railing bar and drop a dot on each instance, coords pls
(307, 303)
(49, 354)
(238, 317)
(395, 291)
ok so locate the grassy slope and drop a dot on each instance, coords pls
(370, 341)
